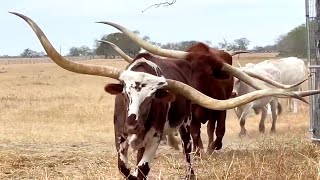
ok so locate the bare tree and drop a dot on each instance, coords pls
(164, 4)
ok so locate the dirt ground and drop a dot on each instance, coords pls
(59, 125)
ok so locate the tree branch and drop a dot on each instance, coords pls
(165, 4)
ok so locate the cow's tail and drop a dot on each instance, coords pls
(279, 109)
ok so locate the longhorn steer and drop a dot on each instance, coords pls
(140, 88)
(240, 88)
(144, 112)
(217, 85)
(293, 70)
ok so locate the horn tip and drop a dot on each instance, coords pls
(102, 22)
(15, 13)
(20, 15)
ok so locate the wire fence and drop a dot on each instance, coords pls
(20, 60)
(313, 36)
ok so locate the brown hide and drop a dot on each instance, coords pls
(217, 84)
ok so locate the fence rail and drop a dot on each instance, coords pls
(19, 60)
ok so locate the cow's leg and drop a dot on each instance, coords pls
(264, 113)
(145, 155)
(164, 140)
(242, 119)
(274, 107)
(172, 141)
(187, 147)
(122, 149)
(210, 131)
(290, 105)
(195, 130)
(295, 105)
(195, 133)
(220, 130)
(269, 109)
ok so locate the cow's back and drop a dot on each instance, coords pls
(216, 84)
(293, 70)
(178, 70)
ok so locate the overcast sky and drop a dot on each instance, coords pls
(70, 23)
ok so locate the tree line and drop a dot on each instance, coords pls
(293, 43)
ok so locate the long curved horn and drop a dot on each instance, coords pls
(257, 76)
(184, 55)
(239, 52)
(146, 45)
(274, 83)
(174, 86)
(210, 103)
(106, 71)
(119, 51)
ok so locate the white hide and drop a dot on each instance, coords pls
(266, 69)
(151, 84)
(293, 70)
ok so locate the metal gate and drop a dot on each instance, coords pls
(313, 38)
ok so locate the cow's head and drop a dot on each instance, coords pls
(139, 90)
(236, 88)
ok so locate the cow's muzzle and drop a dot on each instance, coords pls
(233, 95)
(133, 126)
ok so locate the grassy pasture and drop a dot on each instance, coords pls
(59, 125)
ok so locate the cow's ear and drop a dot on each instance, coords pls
(165, 95)
(113, 88)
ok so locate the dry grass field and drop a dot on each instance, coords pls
(59, 125)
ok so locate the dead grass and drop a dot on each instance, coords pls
(58, 125)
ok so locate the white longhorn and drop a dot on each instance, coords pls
(240, 88)
(293, 70)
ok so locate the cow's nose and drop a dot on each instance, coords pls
(133, 126)
(233, 95)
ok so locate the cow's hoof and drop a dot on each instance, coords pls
(197, 153)
(262, 129)
(217, 145)
(130, 177)
(242, 134)
(209, 150)
(190, 175)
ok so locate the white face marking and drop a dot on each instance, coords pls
(139, 86)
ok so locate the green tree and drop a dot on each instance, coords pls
(294, 43)
(80, 51)
(74, 51)
(126, 44)
(241, 44)
(30, 53)
(183, 45)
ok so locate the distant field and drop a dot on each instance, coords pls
(255, 56)
(55, 124)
